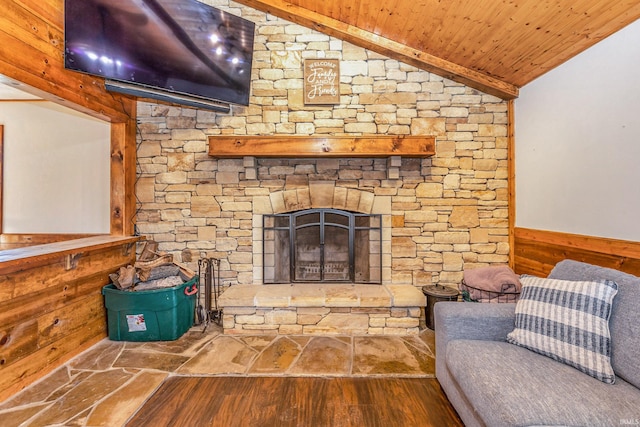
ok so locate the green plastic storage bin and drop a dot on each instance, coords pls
(154, 315)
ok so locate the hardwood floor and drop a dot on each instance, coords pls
(291, 401)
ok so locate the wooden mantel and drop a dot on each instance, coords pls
(321, 146)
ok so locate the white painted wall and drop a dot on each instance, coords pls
(56, 170)
(578, 143)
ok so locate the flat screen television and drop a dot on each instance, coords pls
(177, 50)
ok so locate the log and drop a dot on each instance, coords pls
(149, 251)
(124, 278)
(185, 272)
(166, 282)
(159, 272)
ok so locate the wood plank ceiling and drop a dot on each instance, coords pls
(496, 46)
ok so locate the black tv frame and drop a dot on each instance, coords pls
(172, 80)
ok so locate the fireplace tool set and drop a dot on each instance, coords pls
(209, 272)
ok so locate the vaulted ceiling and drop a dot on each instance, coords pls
(496, 46)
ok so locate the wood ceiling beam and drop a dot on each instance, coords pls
(384, 46)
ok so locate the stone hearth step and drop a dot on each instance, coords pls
(317, 309)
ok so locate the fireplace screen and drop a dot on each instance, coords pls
(322, 245)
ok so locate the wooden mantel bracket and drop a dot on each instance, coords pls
(71, 261)
(321, 146)
(126, 248)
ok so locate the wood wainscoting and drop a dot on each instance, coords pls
(51, 303)
(537, 251)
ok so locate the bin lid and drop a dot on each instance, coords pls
(439, 291)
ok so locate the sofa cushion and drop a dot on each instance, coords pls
(508, 385)
(625, 316)
(567, 321)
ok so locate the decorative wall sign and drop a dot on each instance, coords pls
(321, 81)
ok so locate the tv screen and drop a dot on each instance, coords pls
(179, 46)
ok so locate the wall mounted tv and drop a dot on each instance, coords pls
(179, 51)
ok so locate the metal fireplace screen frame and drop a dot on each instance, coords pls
(322, 245)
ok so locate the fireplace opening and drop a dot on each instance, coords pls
(322, 245)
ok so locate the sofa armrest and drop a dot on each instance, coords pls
(474, 321)
(470, 321)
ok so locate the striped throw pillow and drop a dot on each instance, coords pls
(567, 321)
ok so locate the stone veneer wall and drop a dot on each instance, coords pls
(448, 212)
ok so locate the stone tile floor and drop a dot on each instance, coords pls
(107, 384)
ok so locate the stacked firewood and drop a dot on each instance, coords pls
(152, 270)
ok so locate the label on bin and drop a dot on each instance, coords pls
(136, 322)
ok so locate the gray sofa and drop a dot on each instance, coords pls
(493, 383)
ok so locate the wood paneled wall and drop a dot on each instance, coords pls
(537, 251)
(51, 306)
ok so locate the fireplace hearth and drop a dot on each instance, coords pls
(322, 245)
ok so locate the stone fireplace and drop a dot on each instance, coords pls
(344, 245)
(440, 212)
